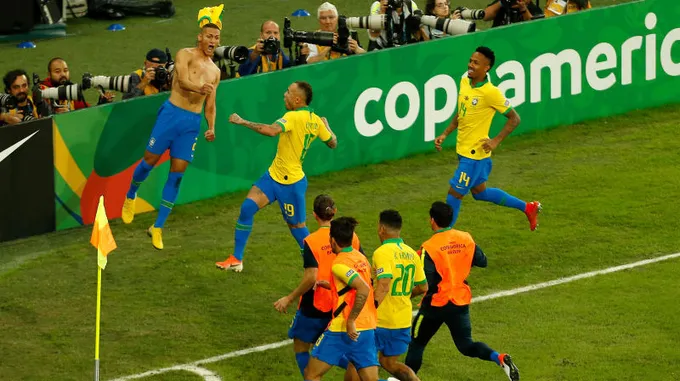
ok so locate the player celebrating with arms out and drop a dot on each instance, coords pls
(478, 101)
(285, 181)
(194, 84)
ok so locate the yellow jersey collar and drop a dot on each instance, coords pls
(480, 84)
(305, 108)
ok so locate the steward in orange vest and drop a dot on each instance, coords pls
(448, 257)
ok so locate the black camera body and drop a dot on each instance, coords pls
(161, 75)
(271, 46)
(8, 101)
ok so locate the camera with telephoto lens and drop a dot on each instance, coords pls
(66, 92)
(373, 22)
(271, 46)
(118, 83)
(237, 54)
(8, 101)
(290, 35)
(471, 14)
(448, 26)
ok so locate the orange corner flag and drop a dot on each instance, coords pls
(102, 238)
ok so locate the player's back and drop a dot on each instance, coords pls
(477, 106)
(399, 261)
(300, 128)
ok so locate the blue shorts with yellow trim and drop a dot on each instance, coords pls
(307, 329)
(291, 197)
(176, 129)
(470, 173)
(332, 346)
(392, 342)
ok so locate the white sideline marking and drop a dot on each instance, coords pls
(209, 376)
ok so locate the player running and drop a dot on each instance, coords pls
(315, 307)
(351, 333)
(194, 84)
(285, 180)
(400, 277)
(478, 101)
(447, 258)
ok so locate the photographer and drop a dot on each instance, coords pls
(266, 55)
(16, 105)
(506, 12)
(144, 81)
(438, 8)
(328, 21)
(379, 39)
(560, 7)
(58, 75)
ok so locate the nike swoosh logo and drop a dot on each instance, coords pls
(8, 151)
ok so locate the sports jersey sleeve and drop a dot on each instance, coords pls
(287, 122)
(498, 101)
(382, 262)
(344, 273)
(324, 134)
(308, 258)
(420, 272)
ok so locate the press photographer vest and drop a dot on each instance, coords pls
(148, 89)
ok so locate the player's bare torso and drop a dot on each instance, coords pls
(202, 70)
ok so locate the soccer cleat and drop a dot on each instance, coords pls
(532, 209)
(509, 367)
(156, 235)
(128, 213)
(231, 264)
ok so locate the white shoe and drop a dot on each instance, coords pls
(509, 367)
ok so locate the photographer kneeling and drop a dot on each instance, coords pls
(328, 21)
(152, 79)
(266, 55)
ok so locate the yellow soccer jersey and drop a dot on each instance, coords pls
(476, 108)
(396, 260)
(300, 128)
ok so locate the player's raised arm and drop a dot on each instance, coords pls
(264, 129)
(327, 135)
(211, 111)
(182, 73)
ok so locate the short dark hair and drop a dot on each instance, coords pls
(210, 25)
(442, 214)
(307, 89)
(324, 207)
(49, 64)
(12, 76)
(488, 53)
(391, 218)
(342, 230)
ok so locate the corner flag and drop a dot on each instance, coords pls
(102, 239)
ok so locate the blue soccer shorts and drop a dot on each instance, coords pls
(291, 197)
(307, 329)
(176, 129)
(332, 346)
(392, 342)
(470, 173)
